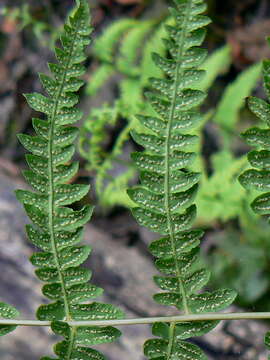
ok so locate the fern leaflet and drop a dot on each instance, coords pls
(7, 312)
(57, 228)
(258, 178)
(166, 194)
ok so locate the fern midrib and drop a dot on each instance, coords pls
(167, 157)
(51, 183)
(171, 339)
(72, 340)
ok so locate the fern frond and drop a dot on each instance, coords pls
(216, 64)
(166, 194)
(232, 101)
(104, 50)
(258, 177)
(57, 229)
(99, 77)
(7, 312)
(95, 126)
(128, 52)
(104, 47)
(154, 44)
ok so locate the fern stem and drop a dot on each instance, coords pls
(171, 339)
(149, 320)
(71, 341)
(167, 157)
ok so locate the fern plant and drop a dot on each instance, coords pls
(57, 228)
(166, 194)
(164, 199)
(258, 178)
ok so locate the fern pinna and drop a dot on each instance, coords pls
(258, 178)
(7, 312)
(58, 229)
(168, 188)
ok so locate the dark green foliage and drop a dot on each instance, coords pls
(258, 178)
(57, 229)
(7, 312)
(165, 197)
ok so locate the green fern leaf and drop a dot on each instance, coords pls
(7, 312)
(166, 194)
(258, 179)
(57, 229)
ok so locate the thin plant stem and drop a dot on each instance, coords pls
(148, 320)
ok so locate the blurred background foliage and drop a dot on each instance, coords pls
(237, 245)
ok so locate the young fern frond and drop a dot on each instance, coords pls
(166, 194)
(258, 178)
(134, 66)
(104, 49)
(57, 228)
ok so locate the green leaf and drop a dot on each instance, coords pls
(260, 108)
(158, 349)
(179, 181)
(185, 242)
(261, 205)
(96, 335)
(211, 302)
(96, 311)
(255, 180)
(51, 312)
(260, 159)
(267, 340)
(7, 312)
(40, 103)
(257, 137)
(233, 98)
(186, 330)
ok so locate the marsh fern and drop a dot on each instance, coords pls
(168, 187)
(57, 228)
